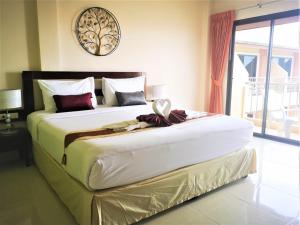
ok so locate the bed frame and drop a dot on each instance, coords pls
(131, 203)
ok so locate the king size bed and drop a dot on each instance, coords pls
(124, 178)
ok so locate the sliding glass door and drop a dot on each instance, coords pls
(283, 111)
(249, 72)
(264, 75)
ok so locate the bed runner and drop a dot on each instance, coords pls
(116, 129)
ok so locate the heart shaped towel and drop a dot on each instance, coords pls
(162, 107)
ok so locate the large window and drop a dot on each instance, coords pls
(264, 75)
(250, 63)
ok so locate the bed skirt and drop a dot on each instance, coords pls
(131, 203)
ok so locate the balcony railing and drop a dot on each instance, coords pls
(283, 103)
(282, 94)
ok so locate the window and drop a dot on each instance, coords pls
(284, 62)
(263, 75)
(250, 63)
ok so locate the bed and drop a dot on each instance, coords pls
(123, 179)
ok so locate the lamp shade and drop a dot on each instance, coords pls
(156, 92)
(10, 99)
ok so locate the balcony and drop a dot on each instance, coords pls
(283, 110)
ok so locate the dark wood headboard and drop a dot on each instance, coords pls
(29, 76)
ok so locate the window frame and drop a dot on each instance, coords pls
(272, 18)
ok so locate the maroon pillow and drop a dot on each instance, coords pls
(67, 103)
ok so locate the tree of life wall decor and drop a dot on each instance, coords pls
(98, 31)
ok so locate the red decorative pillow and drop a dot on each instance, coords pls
(67, 103)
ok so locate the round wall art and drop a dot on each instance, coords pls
(98, 31)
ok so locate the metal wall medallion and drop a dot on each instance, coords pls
(98, 31)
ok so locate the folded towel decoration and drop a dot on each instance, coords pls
(163, 116)
(162, 107)
(155, 120)
(175, 116)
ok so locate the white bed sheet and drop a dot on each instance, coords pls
(101, 163)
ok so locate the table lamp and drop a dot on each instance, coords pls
(10, 99)
(156, 92)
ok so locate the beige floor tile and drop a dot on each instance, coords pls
(277, 153)
(278, 166)
(26, 198)
(228, 210)
(278, 202)
(179, 215)
(250, 192)
(279, 177)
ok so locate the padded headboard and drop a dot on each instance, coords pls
(30, 88)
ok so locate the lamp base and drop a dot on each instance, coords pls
(8, 120)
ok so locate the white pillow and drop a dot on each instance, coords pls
(65, 87)
(110, 86)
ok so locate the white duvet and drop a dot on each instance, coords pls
(101, 163)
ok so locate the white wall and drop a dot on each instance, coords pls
(48, 35)
(19, 49)
(167, 40)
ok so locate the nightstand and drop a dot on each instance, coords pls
(16, 138)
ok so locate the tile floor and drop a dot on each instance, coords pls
(269, 197)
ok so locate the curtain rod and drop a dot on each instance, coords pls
(259, 5)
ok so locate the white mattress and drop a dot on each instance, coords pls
(101, 163)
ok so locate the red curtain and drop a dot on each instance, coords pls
(221, 30)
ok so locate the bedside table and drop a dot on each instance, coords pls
(16, 138)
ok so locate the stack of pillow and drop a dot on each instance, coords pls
(124, 92)
(75, 95)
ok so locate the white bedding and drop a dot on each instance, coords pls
(101, 163)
